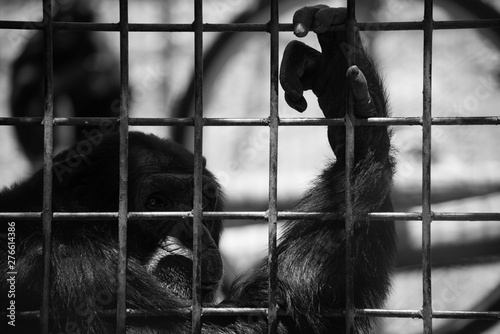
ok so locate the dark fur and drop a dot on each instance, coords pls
(311, 253)
(84, 253)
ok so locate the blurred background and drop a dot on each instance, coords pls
(465, 159)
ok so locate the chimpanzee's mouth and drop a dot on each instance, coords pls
(172, 264)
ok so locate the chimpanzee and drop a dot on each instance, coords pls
(86, 79)
(311, 253)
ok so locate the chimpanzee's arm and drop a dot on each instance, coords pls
(311, 253)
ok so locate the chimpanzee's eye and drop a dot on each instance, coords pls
(155, 202)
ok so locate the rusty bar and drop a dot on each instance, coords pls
(48, 144)
(467, 24)
(436, 314)
(389, 313)
(350, 121)
(198, 166)
(441, 25)
(162, 121)
(284, 121)
(493, 120)
(21, 120)
(75, 26)
(246, 27)
(207, 27)
(426, 170)
(374, 121)
(272, 320)
(466, 315)
(245, 311)
(466, 216)
(237, 121)
(123, 173)
(253, 215)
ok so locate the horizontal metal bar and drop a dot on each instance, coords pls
(21, 121)
(466, 24)
(236, 121)
(309, 121)
(466, 315)
(20, 216)
(255, 215)
(77, 26)
(142, 27)
(493, 120)
(292, 121)
(207, 27)
(487, 120)
(437, 25)
(245, 27)
(231, 311)
(414, 314)
(160, 121)
(435, 314)
(164, 27)
(463, 216)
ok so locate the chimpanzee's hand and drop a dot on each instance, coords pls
(324, 72)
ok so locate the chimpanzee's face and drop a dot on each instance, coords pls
(162, 180)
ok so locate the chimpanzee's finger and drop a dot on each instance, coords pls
(297, 68)
(300, 104)
(358, 85)
(327, 17)
(292, 68)
(303, 19)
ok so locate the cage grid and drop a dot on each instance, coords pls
(272, 215)
(47, 161)
(426, 170)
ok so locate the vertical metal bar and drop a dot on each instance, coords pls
(198, 166)
(272, 319)
(349, 167)
(123, 178)
(426, 169)
(48, 142)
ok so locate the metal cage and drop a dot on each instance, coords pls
(273, 122)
